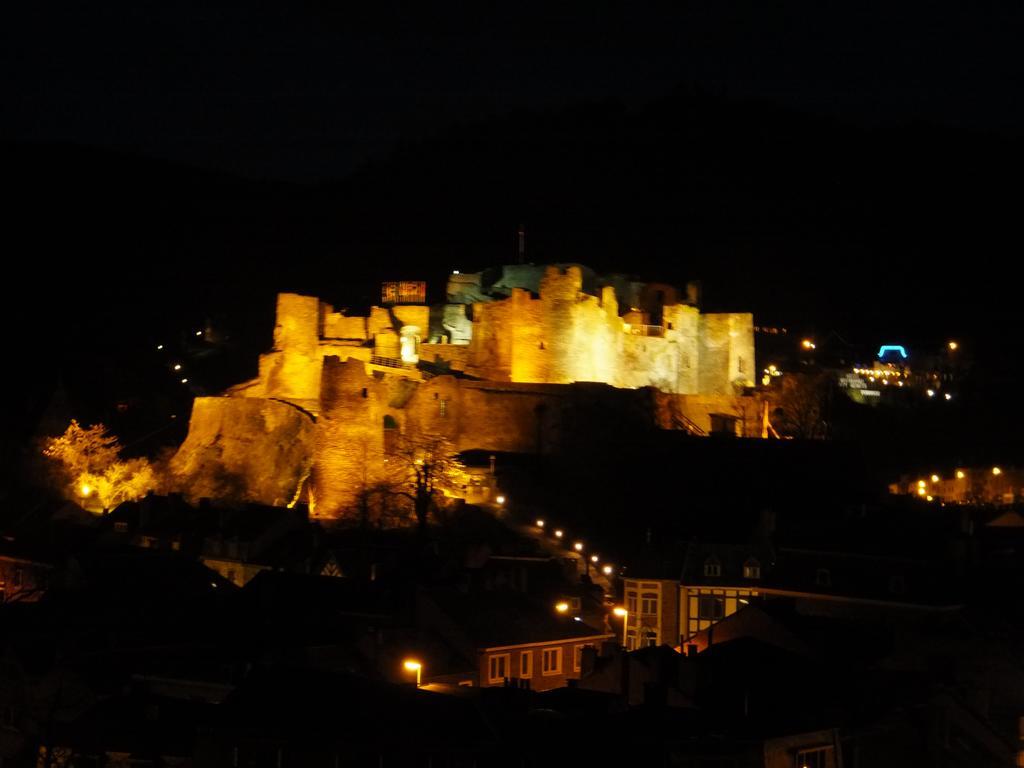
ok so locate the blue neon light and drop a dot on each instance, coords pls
(892, 348)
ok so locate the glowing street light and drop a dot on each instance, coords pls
(177, 366)
(607, 570)
(414, 666)
(199, 333)
(929, 498)
(921, 491)
(930, 392)
(159, 347)
(500, 500)
(558, 533)
(996, 471)
(578, 546)
(808, 344)
(85, 489)
(562, 607)
(960, 474)
(184, 381)
(952, 346)
(594, 558)
(935, 478)
(948, 396)
(540, 523)
(623, 614)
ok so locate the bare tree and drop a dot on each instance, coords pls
(423, 471)
(800, 406)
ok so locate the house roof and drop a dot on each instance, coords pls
(505, 619)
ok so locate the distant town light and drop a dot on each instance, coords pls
(455, 272)
(619, 611)
(159, 346)
(935, 478)
(921, 483)
(578, 546)
(558, 533)
(576, 618)
(199, 333)
(177, 366)
(952, 346)
(594, 558)
(607, 570)
(930, 392)
(184, 381)
(562, 607)
(929, 498)
(892, 348)
(948, 396)
(996, 471)
(500, 499)
(960, 474)
(921, 491)
(540, 523)
(808, 344)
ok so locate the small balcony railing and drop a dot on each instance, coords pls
(390, 362)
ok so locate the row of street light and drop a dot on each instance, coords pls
(607, 569)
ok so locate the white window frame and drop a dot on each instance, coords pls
(492, 663)
(557, 668)
(649, 604)
(526, 669)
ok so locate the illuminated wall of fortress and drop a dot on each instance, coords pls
(314, 422)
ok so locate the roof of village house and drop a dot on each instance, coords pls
(500, 619)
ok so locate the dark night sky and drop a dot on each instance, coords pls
(309, 90)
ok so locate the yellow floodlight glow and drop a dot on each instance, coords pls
(935, 478)
(921, 483)
(500, 500)
(960, 474)
(996, 471)
(808, 344)
(952, 346)
(929, 498)
(540, 523)
(562, 607)
(412, 665)
(921, 492)
(619, 611)
(85, 489)
(607, 570)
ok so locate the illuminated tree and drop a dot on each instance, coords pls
(423, 470)
(91, 470)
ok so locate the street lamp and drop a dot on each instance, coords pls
(623, 614)
(500, 500)
(540, 523)
(414, 666)
(607, 570)
(996, 471)
(558, 533)
(578, 546)
(562, 607)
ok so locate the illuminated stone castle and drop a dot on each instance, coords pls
(503, 366)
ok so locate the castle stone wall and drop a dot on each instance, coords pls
(250, 448)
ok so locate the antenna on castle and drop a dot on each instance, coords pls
(521, 244)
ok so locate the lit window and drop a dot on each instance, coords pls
(712, 567)
(816, 757)
(551, 661)
(752, 569)
(649, 604)
(526, 664)
(497, 668)
(650, 638)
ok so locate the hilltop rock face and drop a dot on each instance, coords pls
(250, 449)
